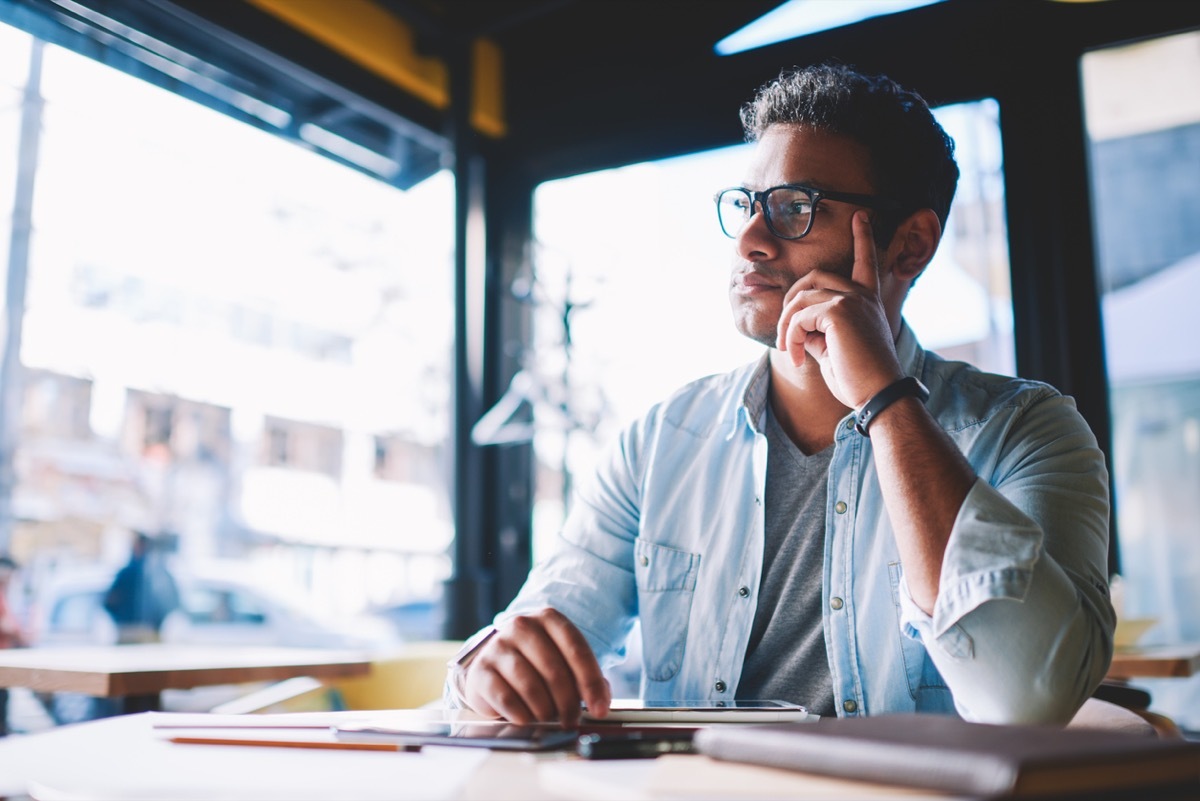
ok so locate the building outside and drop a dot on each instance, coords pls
(225, 338)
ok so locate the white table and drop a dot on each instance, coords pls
(126, 758)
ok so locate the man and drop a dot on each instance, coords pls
(851, 523)
(142, 593)
(12, 632)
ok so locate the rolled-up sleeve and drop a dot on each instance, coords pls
(1022, 627)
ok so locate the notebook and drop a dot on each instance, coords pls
(946, 753)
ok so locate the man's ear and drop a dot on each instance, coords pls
(914, 243)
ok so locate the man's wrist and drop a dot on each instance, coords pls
(471, 647)
(456, 677)
(907, 387)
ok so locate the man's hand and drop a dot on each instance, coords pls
(537, 667)
(842, 324)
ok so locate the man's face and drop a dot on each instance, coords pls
(765, 266)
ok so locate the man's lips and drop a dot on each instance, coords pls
(751, 281)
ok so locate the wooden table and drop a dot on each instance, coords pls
(1165, 661)
(137, 674)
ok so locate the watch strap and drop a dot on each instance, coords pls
(907, 387)
(471, 647)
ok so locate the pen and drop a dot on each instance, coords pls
(296, 744)
(595, 746)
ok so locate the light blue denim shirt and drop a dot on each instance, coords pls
(670, 530)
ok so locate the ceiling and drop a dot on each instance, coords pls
(580, 84)
(596, 83)
(558, 64)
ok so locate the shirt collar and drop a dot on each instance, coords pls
(909, 350)
(752, 409)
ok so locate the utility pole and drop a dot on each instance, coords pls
(14, 296)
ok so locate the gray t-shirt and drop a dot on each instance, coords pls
(786, 657)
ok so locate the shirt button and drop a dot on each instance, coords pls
(835, 603)
(744, 591)
(850, 707)
(850, 423)
(645, 560)
(719, 686)
(840, 507)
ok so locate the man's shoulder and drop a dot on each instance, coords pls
(708, 394)
(965, 375)
(733, 381)
(960, 387)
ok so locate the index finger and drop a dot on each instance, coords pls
(866, 259)
(582, 663)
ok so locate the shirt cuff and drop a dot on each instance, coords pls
(919, 626)
(990, 555)
(454, 690)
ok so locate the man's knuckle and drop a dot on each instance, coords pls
(522, 626)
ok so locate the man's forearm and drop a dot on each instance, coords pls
(924, 480)
(1022, 627)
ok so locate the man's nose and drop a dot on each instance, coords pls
(754, 238)
(756, 218)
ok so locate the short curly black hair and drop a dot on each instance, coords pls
(912, 158)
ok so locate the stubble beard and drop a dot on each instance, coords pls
(758, 333)
(756, 324)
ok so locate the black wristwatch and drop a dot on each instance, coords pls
(907, 387)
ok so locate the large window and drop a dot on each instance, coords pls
(644, 288)
(1143, 120)
(221, 331)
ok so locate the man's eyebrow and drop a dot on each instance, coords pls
(758, 187)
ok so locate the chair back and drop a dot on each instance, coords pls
(412, 677)
(1107, 716)
(409, 678)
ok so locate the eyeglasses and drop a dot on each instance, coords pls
(788, 208)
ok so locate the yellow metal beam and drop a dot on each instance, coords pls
(487, 83)
(384, 44)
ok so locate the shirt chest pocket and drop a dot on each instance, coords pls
(666, 584)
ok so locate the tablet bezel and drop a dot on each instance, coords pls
(633, 710)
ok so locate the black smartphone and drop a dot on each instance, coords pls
(495, 734)
(634, 745)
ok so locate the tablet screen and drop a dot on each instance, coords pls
(628, 704)
(495, 734)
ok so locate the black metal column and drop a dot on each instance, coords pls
(1058, 327)
(469, 590)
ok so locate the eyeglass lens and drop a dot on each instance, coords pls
(788, 211)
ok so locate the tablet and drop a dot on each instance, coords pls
(633, 710)
(495, 734)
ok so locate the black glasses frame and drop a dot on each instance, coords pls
(815, 197)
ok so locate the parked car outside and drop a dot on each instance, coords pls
(215, 609)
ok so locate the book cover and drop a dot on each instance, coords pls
(941, 752)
